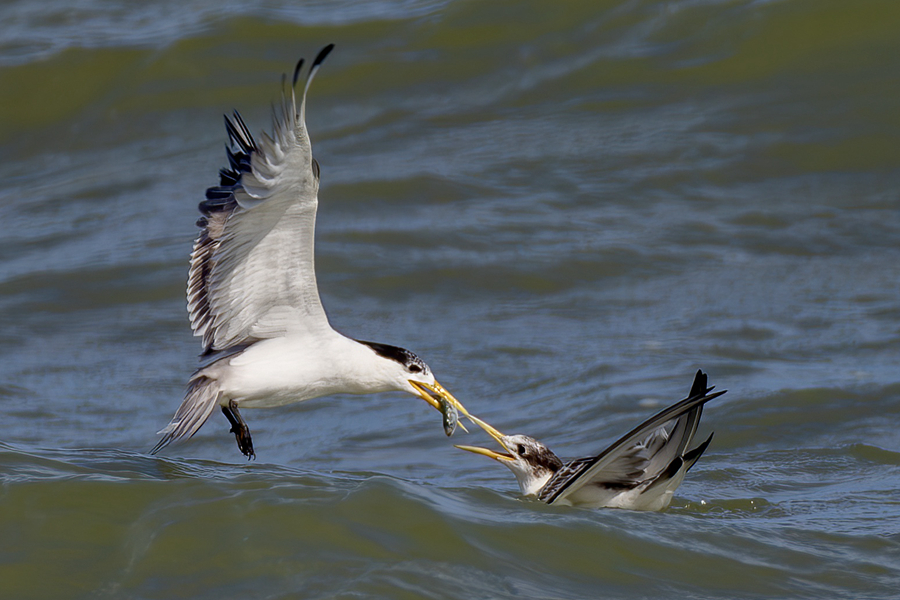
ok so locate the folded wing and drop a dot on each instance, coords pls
(642, 455)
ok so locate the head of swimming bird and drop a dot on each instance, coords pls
(403, 371)
(531, 462)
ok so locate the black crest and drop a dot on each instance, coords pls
(397, 354)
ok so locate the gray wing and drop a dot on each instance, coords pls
(640, 455)
(252, 273)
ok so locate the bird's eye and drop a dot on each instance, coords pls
(414, 368)
(520, 450)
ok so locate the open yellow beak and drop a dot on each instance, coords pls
(486, 452)
(494, 433)
(489, 429)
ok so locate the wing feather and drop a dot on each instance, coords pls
(633, 451)
(252, 273)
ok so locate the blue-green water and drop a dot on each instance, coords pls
(565, 209)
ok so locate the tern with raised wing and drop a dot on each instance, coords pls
(252, 293)
(640, 471)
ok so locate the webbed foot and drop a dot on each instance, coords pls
(240, 430)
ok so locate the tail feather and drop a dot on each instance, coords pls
(199, 402)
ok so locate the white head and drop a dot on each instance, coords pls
(403, 371)
(531, 462)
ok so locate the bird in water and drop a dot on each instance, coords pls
(253, 297)
(640, 471)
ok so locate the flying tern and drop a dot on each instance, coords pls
(252, 293)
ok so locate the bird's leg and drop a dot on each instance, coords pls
(239, 429)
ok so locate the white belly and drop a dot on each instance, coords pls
(282, 371)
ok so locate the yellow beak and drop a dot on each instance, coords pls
(494, 433)
(431, 393)
(489, 429)
(486, 452)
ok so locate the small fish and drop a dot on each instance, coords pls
(451, 417)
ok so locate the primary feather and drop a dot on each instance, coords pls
(250, 276)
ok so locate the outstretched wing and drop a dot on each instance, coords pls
(641, 454)
(252, 272)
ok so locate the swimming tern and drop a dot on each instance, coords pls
(640, 471)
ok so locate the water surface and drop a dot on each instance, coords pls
(565, 212)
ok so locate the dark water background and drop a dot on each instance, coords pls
(565, 209)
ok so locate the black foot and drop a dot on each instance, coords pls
(240, 430)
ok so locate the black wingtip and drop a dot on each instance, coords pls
(321, 56)
(297, 72)
(699, 386)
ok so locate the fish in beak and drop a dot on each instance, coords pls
(444, 402)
